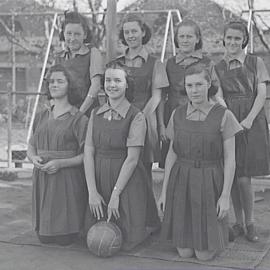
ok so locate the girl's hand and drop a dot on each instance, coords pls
(113, 206)
(37, 161)
(246, 123)
(95, 204)
(162, 132)
(161, 202)
(52, 166)
(223, 206)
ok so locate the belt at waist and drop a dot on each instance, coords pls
(56, 154)
(199, 163)
(110, 153)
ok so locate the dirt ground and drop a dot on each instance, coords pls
(15, 218)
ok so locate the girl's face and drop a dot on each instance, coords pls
(58, 85)
(115, 83)
(233, 40)
(187, 39)
(197, 88)
(133, 34)
(74, 36)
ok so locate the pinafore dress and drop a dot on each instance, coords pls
(78, 67)
(195, 183)
(176, 93)
(59, 200)
(137, 199)
(239, 87)
(142, 77)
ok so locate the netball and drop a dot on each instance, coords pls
(104, 239)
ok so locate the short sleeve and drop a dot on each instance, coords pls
(170, 128)
(160, 78)
(137, 131)
(80, 128)
(262, 73)
(89, 133)
(96, 65)
(229, 125)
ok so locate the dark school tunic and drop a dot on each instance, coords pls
(196, 178)
(59, 200)
(86, 64)
(111, 132)
(239, 87)
(148, 73)
(175, 69)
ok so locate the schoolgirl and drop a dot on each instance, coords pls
(82, 60)
(188, 40)
(118, 185)
(59, 198)
(199, 170)
(243, 80)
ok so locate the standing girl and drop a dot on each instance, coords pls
(117, 181)
(150, 77)
(56, 150)
(243, 81)
(188, 40)
(199, 170)
(82, 61)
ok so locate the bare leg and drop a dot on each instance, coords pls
(237, 204)
(245, 188)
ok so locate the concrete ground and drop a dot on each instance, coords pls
(15, 218)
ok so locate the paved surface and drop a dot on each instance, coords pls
(15, 218)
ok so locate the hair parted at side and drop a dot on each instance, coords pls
(237, 25)
(199, 68)
(144, 27)
(197, 30)
(72, 98)
(118, 64)
(77, 18)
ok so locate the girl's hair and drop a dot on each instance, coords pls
(197, 32)
(72, 99)
(144, 27)
(237, 25)
(199, 68)
(117, 64)
(77, 18)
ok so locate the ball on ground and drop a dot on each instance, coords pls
(104, 239)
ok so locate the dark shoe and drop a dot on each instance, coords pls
(238, 230)
(251, 234)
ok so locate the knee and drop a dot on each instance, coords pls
(185, 252)
(205, 255)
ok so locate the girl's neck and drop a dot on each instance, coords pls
(134, 51)
(115, 102)
(61, 105)
(205, 104)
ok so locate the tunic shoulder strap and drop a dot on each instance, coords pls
(251, 62)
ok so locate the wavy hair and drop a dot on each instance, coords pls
(144, 27)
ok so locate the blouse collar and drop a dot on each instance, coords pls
(240, 57)
(122, 108)
(203, 109)
(181, 57)
(143, 53)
